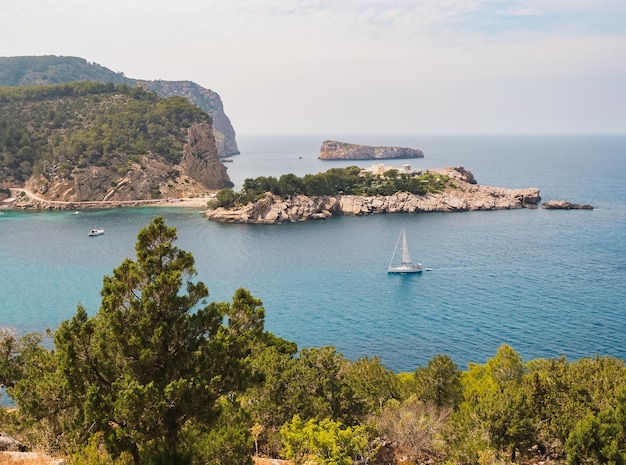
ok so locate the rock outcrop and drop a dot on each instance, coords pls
(461, 196)
(200, 159)
(8, 443)
(564, 205)
(198, 172)
(210, 102)
(333, 150)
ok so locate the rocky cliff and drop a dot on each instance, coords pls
(463, 195)
(198, 172)
(334, 150)
(210, 102)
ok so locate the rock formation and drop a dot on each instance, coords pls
(200, 160)
(8, 443)
(564, 205)
(210, 102)
(333, 150)
(462, 196)
(199, 171)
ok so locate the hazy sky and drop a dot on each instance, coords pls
(357, 66)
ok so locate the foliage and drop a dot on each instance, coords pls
(154, 357)
(564, 393)
(319, 383)
(28, 70)
(414, 428)
(493, 414)
(336, 181)
(227, 442)
(439, 382)
(49, 70)
(600, 439)
(372, 384)
(50, 130)
(326, 442)
(94, 453)
(157, 375)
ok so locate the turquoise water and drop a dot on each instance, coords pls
(548, 283)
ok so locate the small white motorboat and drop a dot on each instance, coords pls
(96, 232)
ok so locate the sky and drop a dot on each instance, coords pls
(357, 66)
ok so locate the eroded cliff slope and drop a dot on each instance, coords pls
(89, 141)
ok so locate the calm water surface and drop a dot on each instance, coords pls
(545, 282)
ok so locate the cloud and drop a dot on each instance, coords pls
(307, 65)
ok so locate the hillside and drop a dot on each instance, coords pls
(91, 141)
(49, 70)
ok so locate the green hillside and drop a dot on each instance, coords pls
(47, 70)
(50, 130)
(50, 70)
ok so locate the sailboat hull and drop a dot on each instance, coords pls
(405, 269)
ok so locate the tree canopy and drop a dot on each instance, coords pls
(155, 356)
(160, 376)
(336, 181)
(50, 130)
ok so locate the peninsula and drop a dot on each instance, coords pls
(334, 150)
(456, 191)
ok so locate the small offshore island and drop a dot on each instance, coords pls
(438, 190)
(335, 150)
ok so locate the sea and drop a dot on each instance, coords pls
(547, 283)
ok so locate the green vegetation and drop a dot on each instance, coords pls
(52, 70)
(160, 376)
(50, 130)
(49, 70)
(336, 181)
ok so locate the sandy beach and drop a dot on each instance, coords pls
(24, 199)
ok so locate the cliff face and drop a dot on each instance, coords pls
(199, 171)
(200, 161)
(465, 196)
(333, 150)
(210, 102)
(48, 70)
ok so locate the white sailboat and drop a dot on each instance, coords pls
(406, 265)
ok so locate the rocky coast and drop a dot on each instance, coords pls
(462, 194)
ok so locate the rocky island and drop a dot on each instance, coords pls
(564, 205)
(461, 193)
(334, 150)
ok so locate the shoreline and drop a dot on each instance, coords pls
(24, 199)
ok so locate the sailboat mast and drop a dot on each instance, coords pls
(395, 249)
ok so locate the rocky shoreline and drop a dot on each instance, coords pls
(463, 195)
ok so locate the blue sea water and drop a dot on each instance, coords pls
(548, 283)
